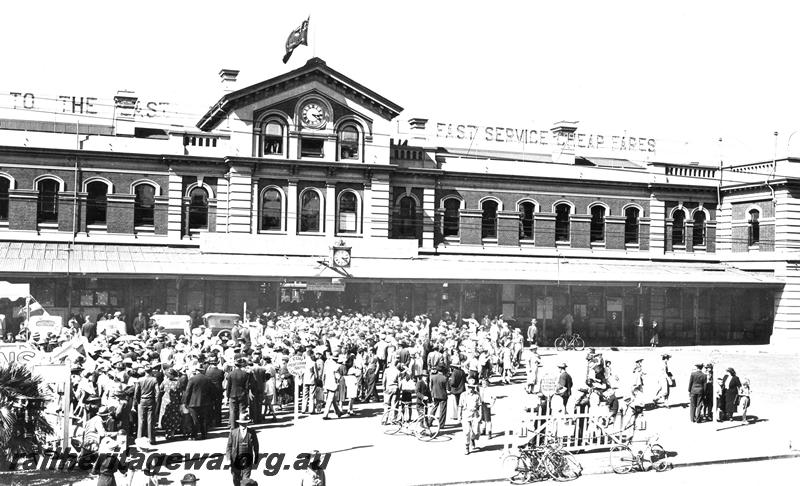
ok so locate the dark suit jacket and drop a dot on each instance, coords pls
(258, 380)
(564, 382)
(197, 393)
(216, 376)
(404, 356)
(697, 382)
(139, 325)
(89, 330)
(438, 386)
(458, 381)
(239, 446)
(238, 383)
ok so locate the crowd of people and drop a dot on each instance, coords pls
(136, 381)
(158, 385)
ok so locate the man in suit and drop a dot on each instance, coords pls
(146, 396)
(697, 385)
(258, 380)
(564, 388)
(196, 398)
(238, 390)
(216, 376)
(242, 450)
(139, 323)
(89, 329)
(439, 395)
(456, 385)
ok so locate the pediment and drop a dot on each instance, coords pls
(314, 77)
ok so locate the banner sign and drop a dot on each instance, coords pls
(544, 137)
(17, 353)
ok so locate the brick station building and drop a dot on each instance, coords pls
(250, 204)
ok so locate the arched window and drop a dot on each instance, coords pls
(754, 231)
(632, 225)
(5, 185)
(526, 210)
(597, 227)
(271, 210)
(699, 229)
(47, 204)
(273, 138)
(489, 219)
(678, 229)
(144, 205)
(198, 208)
(348, 143)
(96, 197)
(348, 212)
(407, 217)
(450, 219)
(562, 222)
(310, 208)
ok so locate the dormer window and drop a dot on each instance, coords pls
(349, 143)
(273, 138)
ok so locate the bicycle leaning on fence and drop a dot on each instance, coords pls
(425, 427)
(538, 463)
(566, 341)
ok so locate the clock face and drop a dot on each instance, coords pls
(313, 115)
(341, 258)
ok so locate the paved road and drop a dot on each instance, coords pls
(778, 472)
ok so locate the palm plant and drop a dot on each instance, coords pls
(23, 425)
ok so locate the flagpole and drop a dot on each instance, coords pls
(313, 38)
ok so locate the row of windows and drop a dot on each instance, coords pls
(347, 217)
(489, 208)
(96, 201)
(274, 140)
(310, 209)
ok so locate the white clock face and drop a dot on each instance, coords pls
(341, 258)
(313, 115)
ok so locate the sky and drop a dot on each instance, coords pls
(686, 73)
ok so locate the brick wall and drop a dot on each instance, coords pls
(544, 230)
(615, 233)
(470, 227)
(22, 209)
(508, 228)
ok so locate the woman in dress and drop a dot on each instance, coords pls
(370, 378)
(730, 390)
(170, 418)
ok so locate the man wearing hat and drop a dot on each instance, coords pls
(564, 387)
(697, 385)
(146, 396)
(238, 390)
(189, 479)
(197, 398)
(242, 449)
(439, 394)
(216, 376)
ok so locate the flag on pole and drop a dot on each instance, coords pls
(32, 306)
(298, 37)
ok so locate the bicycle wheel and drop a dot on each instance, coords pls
(426, 428)
(522, 470)
(560, 343)
(621, 459)
(562, 466)
(392, 421)
(578, 343)
(657, 453)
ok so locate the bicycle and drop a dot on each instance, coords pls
(537, 463)
(623, 459)
(566, 341)
(425, 427)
